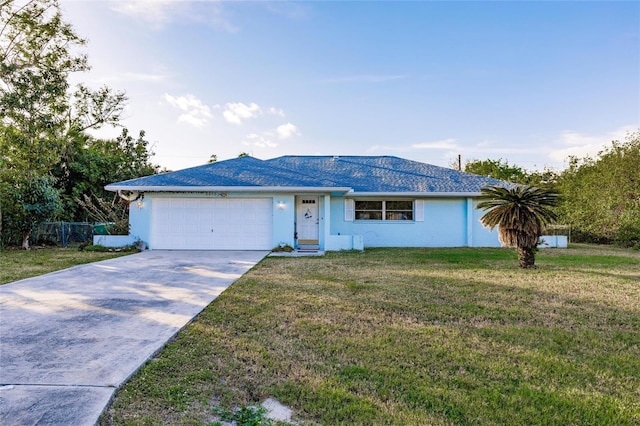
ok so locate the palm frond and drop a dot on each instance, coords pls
(520, 213)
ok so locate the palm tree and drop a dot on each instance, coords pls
(520, 213)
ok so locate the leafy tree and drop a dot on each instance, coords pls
(41, 119)
(500, 169)
(602, 194)
(90, 164)
(36, 61)
(38, 201)
(497, 169)
(546, 178)
(520, 213)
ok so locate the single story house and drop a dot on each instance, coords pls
(308, 202)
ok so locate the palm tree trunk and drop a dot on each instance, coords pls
(527, 257)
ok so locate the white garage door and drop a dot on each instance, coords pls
(211, 224)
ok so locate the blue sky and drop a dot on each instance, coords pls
(527, 82)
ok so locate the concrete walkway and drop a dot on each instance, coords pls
(68, 339)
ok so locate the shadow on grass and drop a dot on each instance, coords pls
(551, 358)
(407, 337)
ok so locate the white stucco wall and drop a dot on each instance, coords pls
(139, 219)
(284, 219)
(283, 214)
(481, 236)
(114, 240)
(448, 222)
(553, 241)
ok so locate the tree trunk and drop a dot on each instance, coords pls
(25, 241)
(527, 257)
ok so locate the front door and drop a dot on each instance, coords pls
(308, 220)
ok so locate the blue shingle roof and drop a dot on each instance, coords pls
(386, 174)
(243, 171)
(361, 173)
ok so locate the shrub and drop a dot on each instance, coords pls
(101, 248)
(628, 236)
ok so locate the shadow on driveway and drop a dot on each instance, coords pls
(68, 339)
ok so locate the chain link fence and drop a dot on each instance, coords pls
(559, 230)
(63, 234)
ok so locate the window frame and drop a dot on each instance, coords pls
(384, 212)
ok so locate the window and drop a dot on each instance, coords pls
(383, 210)
(369, 210)
(398, 210)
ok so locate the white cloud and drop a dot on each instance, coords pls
(276, 111)
(192, 119)
(195, 112)
(216, 16)
(366, 78)
(486, 147)
(445, 151)
(136, 77)
(580, 145)
(260, 140)
(158, 13)
(236, 112)
(267, 138)
(441, 144)
(215, 13)
(387, 148)
(285, 131)
(154, 12)
(292, 10)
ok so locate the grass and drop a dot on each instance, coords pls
(409, 337)
(20, 264)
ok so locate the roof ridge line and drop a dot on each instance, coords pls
(395, 170)
(298, 172)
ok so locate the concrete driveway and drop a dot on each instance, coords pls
(68, 339)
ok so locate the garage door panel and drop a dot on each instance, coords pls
(213, 224)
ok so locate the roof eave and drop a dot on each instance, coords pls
(176, 188)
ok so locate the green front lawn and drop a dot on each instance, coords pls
(410, 337)
(20, 264)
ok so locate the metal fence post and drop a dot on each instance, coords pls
(64, 239)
